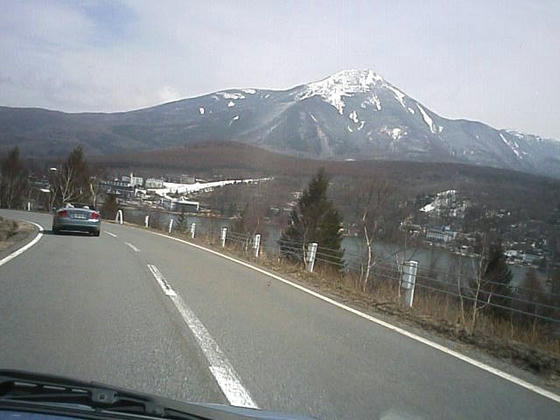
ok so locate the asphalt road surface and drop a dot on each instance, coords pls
(94, 309)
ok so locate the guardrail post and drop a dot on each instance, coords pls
(310, 256)
(147, 221)
(223, 236)
(408, 282)
(29, 206)
(257, 244)
(193, 230)
(170, 225)
(119, 217)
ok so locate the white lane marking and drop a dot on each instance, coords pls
(132, 247)
(432, 344)
(26, 246)
(220, 367)
(161, 281)
(110, 234)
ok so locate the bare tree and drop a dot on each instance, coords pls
(478, 305)
(96, 175)
(489, 283)
(71, 181)
(459, 276)
(370, 206)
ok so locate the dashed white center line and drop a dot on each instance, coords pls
(132, 247)
(220, 367)
(161, 281)
(110, 234)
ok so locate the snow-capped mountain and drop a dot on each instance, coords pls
(353, 114)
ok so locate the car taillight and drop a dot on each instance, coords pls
(62, 213)
(95, 215)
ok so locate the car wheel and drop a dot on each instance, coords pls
(97, 233)
(56, 231)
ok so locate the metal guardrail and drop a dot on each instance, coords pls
(393, 271)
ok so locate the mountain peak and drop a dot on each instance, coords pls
(342, 83)
(350, 81)
(356, 77)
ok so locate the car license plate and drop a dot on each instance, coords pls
(79, 216)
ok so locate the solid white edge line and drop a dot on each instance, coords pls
(26, 246)
(132, 247)
(110, 234)
(443, 349)
(219, 365)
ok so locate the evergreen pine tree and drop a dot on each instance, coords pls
(182, 222)
(497, 278)
(13, 184)
(241, 224)
(314, 219)
(110, 207)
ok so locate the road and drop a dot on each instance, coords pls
(92, 308)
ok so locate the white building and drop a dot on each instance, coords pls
(441, 235)
(154, 183)
(187, 179)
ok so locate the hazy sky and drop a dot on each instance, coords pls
(494, 61)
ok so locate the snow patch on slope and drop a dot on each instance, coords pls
(399, 96)
(231, 95)
(354, 118)
(512, 145)
(516, 134)
(249, 91)
(429, 122)
(230, 104)
(372, 100)
(201, 110)
(395, 133)
(442, 199)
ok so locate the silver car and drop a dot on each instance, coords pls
(77, 217)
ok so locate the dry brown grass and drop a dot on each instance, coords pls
(12, 233)
(8, 228)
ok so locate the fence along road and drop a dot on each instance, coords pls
(291, 351)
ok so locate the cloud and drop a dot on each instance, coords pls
(168, 94)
